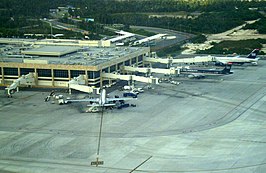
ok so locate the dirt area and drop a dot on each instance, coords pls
(236, 33)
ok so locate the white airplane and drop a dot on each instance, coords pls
(102, 101)
(251, 58)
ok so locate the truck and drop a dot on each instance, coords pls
(132, 88)
(93, 109)
(127, 87)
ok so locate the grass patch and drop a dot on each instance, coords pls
(173, 51)
(199, 39)
(260, 26)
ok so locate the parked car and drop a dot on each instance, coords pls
(130, 94)
(123, 106)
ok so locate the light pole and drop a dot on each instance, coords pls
(98, 162)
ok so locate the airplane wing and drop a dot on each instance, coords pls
(85, 100)
(196, 75)
(119, 99)
(105, 105)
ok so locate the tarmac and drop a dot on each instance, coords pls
(212, 125)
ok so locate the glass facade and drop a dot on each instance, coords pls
(127, 63)
(44, 72)
(11, 71)
(61, 73)
(134, 60)
(90, 75)
(93, 74)
(25, 71)
(96, 74)
(140, 58)
(119, 66)
(76, 73)
(105, 70)
(112, 68)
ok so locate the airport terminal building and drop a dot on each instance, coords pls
(56, 62)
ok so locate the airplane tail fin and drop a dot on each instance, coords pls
(227, 70)
(253, 54)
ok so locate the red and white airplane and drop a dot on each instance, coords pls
(251, 58)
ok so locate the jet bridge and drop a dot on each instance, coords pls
(149, 71)
(150, 80)
(79, 84)
(28, 80)
(171, 61)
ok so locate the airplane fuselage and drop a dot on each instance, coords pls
(235, 60)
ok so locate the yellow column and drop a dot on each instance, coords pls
(52, 73)
(36, 76)
(3, 76)
(19, 72)
(69, 75)
(86, 77)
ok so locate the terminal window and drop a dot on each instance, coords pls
(105, 70)
(25, 71)
(90, 74)
(96, 74)
(119, 66)
(76, 73)
(10, 71)
(127, 63)
(61, 73)
(140, 58)
(134, 60)
(44, 72)
(93, 74)
(112, 68)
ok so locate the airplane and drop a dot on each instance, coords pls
(202, 73)
(251, 58)
(102, 101)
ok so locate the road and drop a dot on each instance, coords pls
(180, 36)
(63, 26)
